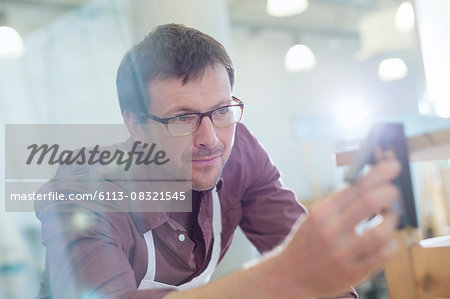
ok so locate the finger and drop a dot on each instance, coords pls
(373, 246)
(383, 254)
(374, 262)
(375, 201)
(328, 208)
(383, 172)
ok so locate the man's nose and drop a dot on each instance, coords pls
(205, 136)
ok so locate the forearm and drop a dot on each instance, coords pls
(262, 280)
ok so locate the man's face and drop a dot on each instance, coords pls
(209, 147)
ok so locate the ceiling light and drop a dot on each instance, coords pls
(286, 8)
(11, 43)
(299, 58)
(404, 17)
(392, 69)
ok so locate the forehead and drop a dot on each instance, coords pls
(198, 94)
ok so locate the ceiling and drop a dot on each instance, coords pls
(338, 18)
(28, 15)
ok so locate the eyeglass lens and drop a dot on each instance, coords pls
(222, 117)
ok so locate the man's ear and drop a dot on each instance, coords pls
(133, 125)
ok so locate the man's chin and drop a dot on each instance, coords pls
(204, 186)
(206, 178)
(201, 188)
(206, 181)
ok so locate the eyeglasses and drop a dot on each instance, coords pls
(185, 124)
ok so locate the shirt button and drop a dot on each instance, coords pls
(181, 237)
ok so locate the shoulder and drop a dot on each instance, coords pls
(243, 135)
(247, 161)
(248, 154)
(81, 186)
(246, 146)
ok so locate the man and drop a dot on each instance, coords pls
(179, 82)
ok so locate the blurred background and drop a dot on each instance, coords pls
(314, 76)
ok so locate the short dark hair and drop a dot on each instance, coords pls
(168, 51)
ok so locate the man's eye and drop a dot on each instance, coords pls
(223, 110)
(184, 118)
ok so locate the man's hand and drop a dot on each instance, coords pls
(324, 255)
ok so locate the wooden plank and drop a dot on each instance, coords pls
(399, 271)
(425, 147)
(431, 271)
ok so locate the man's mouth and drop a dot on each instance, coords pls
(205, 161)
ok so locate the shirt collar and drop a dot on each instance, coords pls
(146, 221)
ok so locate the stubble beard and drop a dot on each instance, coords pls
(199, 185)
(202, 178)
(208, 177)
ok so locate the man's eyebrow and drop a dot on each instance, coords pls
(222, 103)
(183, 110)
(179, 110)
